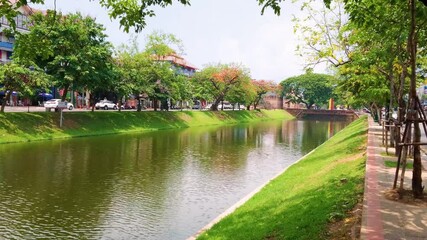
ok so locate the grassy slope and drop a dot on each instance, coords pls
(300, 203)
(18, 127)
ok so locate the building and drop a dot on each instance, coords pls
(272, 100)
(6, 42)
(180, 65)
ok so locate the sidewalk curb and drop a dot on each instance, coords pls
(372, 226)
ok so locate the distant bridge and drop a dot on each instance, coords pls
(321, 113)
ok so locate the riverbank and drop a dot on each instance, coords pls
(24, 127)
(311, 195)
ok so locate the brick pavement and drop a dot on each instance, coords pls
(382, 218)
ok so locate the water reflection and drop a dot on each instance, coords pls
(160, 185)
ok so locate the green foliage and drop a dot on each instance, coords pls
(216, 81)
(16, 77)
(309, 88)
(161, 44)
(324, 34)
(393, 164)
(132, 69)
(244, 93)
(182, 89)
(72, 49)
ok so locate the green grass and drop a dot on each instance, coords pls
(393, 164)
(385, 154)
(21, 127)
(301, 202)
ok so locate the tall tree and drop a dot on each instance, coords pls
(73, 49)
(243, 93)
(309, 89)
(132, 74)
(219, 79)
(324, 34)
(182, 90)
(413, 34)
(262, 87)
(160, 74)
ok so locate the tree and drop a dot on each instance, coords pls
(73, 50)
(161, 44)
(370, 14)
(243, 93)
(132, 68)
(159, 78)
(262, 87)
(325, 35)
(160, 74)
(182, 89)
(218, 80)
(25, 80)
(309, 88)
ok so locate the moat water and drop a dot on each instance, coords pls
(157, 185)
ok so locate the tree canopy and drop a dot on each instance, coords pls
(218, 80)
(73, 50)
(20, 78)
(309, 89)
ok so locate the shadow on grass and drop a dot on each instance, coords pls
(28, 123)
(45, 125)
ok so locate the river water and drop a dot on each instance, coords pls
(158, 185)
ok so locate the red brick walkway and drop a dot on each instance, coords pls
(382, 218)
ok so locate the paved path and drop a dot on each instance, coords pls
(382, 218)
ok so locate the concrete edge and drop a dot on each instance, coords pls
(247, 197)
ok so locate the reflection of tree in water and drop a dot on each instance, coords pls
(308, 134)
(54, 189)
(78, 187)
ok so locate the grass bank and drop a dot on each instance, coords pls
(21, 127)
(304, 200)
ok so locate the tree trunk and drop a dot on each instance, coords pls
(214, 106)
(64, 94)
(404, 157)
(119, 99)
(155, 104)
(92, 102)
(417, 188)
(6, 97)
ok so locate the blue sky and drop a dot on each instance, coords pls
(215, 31)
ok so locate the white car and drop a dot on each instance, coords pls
(53, 103)
(106, 104)
(242, 107)
(226, 106)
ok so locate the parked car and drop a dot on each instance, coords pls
(106, 104)
(53, 103)
(225, 106)
(196, 106)
(208, 106)
(242, 107)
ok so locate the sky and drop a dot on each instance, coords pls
(215, 31)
